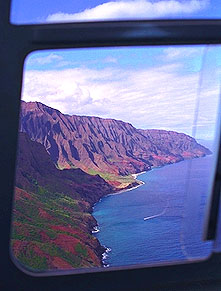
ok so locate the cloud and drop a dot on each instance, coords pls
(134, 9)
(45, 60)
(175, 53)
(157, 97)
(111, 59)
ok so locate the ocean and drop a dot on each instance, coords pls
(159, 222)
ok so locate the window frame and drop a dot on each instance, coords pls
(16, 42)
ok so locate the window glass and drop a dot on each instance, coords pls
(116, 157)
(37, 11)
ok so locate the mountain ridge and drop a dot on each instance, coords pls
(108, 147)
(65, 164)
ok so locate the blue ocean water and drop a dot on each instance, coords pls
(175, 195)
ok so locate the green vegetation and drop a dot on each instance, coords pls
(62, 167)
(31, 179)
(42, 226)
(51, 219)
(113, 178)
(31, 260)
(81, 250)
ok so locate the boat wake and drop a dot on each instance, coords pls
(159, 214)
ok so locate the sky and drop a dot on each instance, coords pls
(174, 87)
(170, 88)
(38, 11)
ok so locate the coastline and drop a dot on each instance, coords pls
(138, 174)
(126, 242)
(126, 189)
(129, 188)
(96, 229)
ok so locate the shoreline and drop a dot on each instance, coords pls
(140, 173)
(96, 228)
(126, 189)
(131, 188)
(105, 255)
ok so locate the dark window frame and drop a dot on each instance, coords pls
(16, 42)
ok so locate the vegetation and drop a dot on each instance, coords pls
(50, 232)
(116, 180)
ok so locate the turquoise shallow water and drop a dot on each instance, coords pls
(173, 233)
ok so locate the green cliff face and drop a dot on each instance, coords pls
(53, 232)
(52, 223)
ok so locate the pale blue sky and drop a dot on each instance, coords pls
(150, 87)
(37, 11)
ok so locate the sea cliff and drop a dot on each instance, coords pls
(66, 164)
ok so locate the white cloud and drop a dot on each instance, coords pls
(45, 60)
(111, 59)
(134, 9)
(159, 97)
(174, 53)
